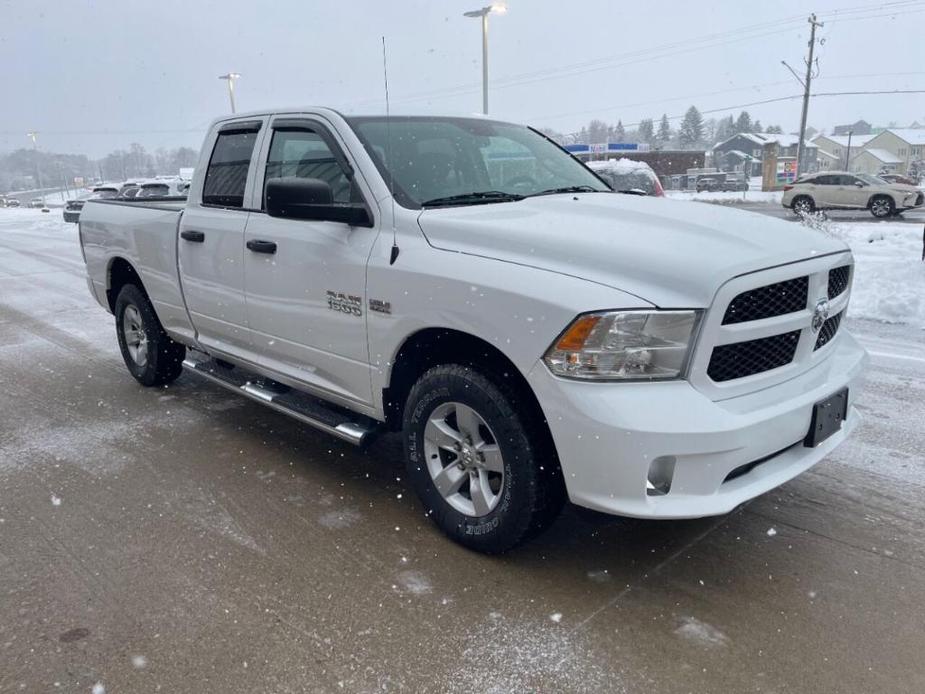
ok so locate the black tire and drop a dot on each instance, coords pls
(531, 492)
(158, 359)
(803, 204)
(882, 206)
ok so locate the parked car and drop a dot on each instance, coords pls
(13, 202)
(467, 282)
(896, 178)
(37, 203)
(841, 190)
(628, 176)
(720, 183)
(162, 189)
(73, 207)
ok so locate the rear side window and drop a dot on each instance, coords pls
(227, 172)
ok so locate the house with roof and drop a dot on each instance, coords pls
(833, 154)
(907, 145)
(861, 127)
(745, 151)
(874, 161)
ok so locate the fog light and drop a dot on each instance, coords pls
(661, 470)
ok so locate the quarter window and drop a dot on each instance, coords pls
(305, 154)
(226, 176)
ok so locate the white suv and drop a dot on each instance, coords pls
(850, 191)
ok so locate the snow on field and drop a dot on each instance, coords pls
(728, 198)
(889, 275)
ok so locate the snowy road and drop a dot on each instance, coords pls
(187, 539)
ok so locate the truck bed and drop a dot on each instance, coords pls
(145, 233)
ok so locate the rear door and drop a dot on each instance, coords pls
(211, 244)
(306, 280)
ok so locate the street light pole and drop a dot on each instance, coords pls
(848, 151)
(32, 134)
(497, 8)
(231, 77)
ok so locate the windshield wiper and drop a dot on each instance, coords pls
(632, 191)
(568, 189)
(478, 197)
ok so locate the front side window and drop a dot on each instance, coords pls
(305, 154)
(430, 159)
(226, 176)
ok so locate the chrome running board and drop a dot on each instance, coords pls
(336, 421)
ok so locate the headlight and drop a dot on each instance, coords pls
(624, 345)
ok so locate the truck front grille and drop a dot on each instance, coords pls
(838, 280)
(771, 300)
(758, 329)
(828, 330)
(742, 359)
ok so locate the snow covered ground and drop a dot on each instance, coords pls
(889, 278)
(728, 198)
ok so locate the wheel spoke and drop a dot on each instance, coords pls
(449, 480)
(480, 492)
(442, 434)
(468, 421)
(493, 461)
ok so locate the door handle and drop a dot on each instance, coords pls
(262, 246)
(194, 236)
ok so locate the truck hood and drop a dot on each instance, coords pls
(673, 254)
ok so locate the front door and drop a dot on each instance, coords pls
(210, 246)
(305, 281)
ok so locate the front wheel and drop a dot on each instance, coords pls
(149, 353)
(482, 468)
(882, 206)
(803, 205)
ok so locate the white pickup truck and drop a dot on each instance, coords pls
(534, 335)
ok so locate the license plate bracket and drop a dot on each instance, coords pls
(828, 416)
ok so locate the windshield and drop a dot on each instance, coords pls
(430, 159)
(639, 179)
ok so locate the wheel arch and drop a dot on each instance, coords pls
(430, 347)
(120, 272)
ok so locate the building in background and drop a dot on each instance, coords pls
(861, 127)
(905, 144)
(745, 152)
(875, 161)
(835, 148)
(664, 162)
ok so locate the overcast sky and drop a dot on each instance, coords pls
(92, 76)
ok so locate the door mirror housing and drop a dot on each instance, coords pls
(312, 199)
(859, 184)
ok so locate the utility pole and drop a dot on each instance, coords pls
(806, 87)
(848, 151)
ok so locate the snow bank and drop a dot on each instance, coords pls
(728, 198)
(620, 166)
(889, 275)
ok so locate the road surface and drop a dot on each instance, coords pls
(186, 539)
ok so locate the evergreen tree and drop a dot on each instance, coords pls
(664, 130)
(743, 123)
(724, 129)
(774, 130)
(756, 128)
(691, 130)
(646, 130)
(619, 132)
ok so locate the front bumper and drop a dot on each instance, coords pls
(609, 434)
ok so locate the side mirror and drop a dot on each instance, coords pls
(312, 199)
(859, 184)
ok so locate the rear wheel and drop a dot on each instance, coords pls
(803, 204)
(149, 353)
(882, 206)
(480, 465)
